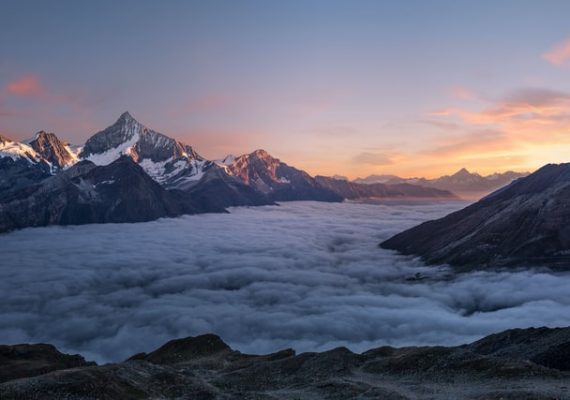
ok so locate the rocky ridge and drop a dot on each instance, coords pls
(515, 364)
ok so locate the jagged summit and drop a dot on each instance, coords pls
(126, 116)
(165, 159)
(260, 153)
(53, 150)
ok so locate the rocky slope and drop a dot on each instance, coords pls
(86, 193)
(525, 223)
(352, 190)
(516, 364)
(277, 180)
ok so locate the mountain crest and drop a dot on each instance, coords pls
(165, 159)
(53, 150)
(260, 153)
(126, 116)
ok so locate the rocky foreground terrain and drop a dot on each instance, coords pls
(516, 364)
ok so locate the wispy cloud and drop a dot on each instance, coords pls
(26, 86)
(463, 93)
(559, 55)
(525, 128)
(476, 141)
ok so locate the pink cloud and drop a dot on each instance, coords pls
(559, 55)
(461, 92)
(26, 86)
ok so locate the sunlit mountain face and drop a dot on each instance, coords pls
(284, 200)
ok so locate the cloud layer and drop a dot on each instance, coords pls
(304, 275)
(559, 55)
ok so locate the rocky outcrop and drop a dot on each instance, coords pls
(86, 193)
(53, 150)
(523, 224)
(516, 364)
(351, 190)
(27, 360)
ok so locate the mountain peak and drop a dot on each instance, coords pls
(463, 171)
(43, 135)
(260, 153)
(126, 116)
(53, 150)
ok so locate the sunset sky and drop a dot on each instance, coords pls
(414, 88)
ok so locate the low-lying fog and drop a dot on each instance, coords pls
(304, 275)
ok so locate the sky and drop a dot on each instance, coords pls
(412, 88)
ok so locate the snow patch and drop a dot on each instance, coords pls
(111, 155)
(16, 151)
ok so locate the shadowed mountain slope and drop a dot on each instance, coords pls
(523, 224)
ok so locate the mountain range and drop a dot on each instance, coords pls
(515, 364)
(525, 223)
(469, 185)
(129, 173)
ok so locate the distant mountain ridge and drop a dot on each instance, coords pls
(463, 182)
(352, 190)
(183, 176)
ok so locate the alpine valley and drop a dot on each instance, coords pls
(130, 173)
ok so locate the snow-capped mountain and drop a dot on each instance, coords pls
(168, 161)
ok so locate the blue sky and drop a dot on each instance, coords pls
(348, 87)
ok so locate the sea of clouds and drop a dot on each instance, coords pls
(305, 275)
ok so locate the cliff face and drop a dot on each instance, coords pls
(516, 364)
